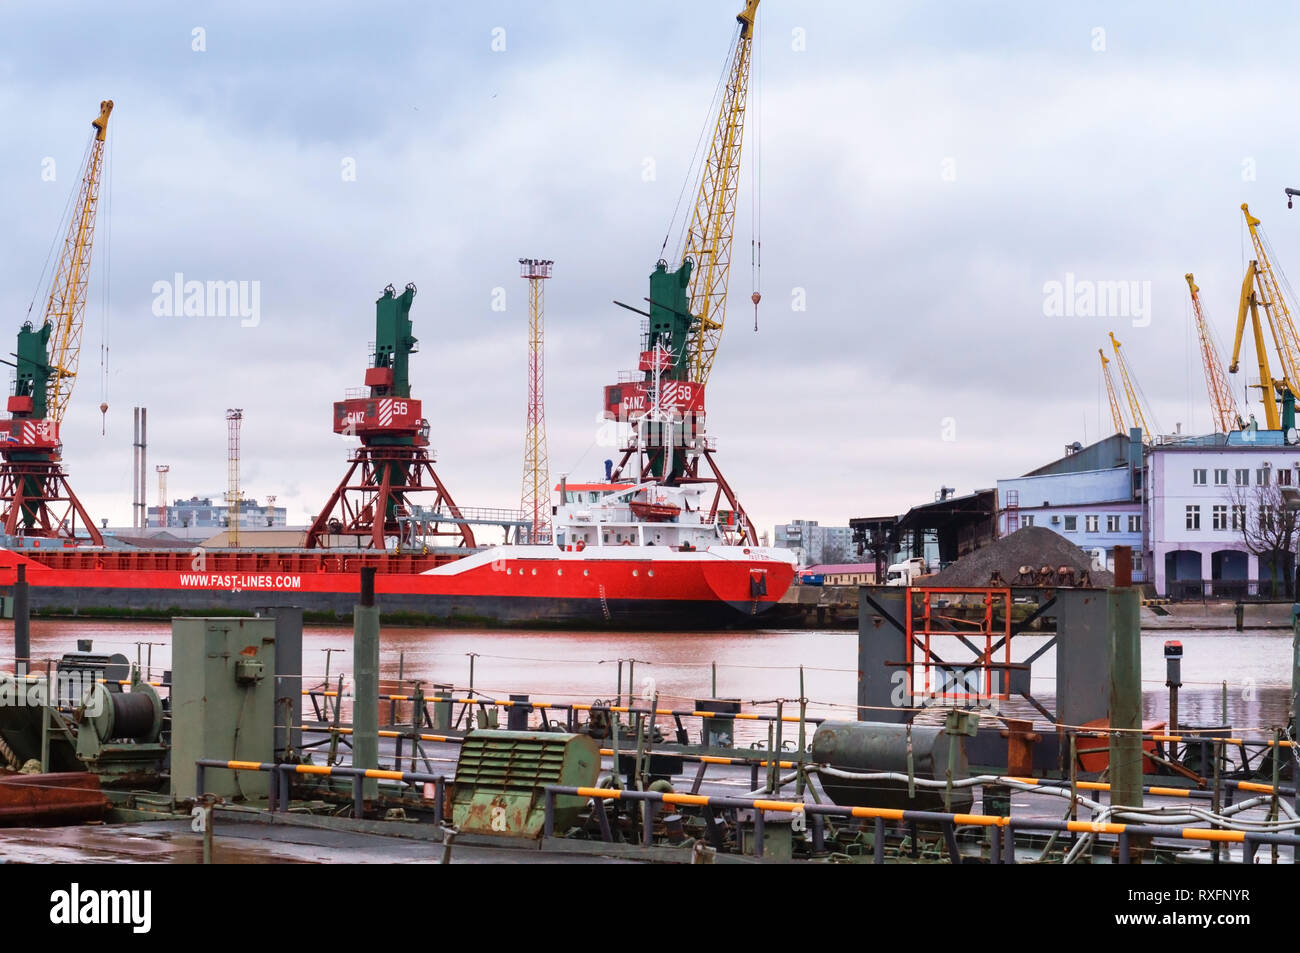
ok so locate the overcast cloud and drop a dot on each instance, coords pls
(926, 169)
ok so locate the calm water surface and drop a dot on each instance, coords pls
(754, 666)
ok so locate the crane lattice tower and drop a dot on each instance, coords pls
(163, 469)
(535, 500)
(234, 417)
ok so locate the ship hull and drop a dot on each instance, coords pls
(506, 586)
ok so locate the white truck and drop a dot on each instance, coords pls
(905, 573)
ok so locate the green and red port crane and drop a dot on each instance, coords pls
(35, 498)
(390, 485)
(664, 404)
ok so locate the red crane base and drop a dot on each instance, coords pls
(36, 500)
(368, 502)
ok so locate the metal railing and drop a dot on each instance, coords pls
(1001, 846)
(1190, 590)
(278, 793)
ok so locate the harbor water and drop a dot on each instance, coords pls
(1248, 672)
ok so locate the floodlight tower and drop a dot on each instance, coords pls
(535, 500)
(163, 469)
(234, 417)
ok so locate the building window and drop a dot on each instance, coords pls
(1261, 476)
(1112, 524)
(1238, 516)
(1072, 524)
(1243, 477)
(1135, 524)
(1193, 517)
(1221, 517)
(1266, 517)
(1029, 520)
(1221, 477)
(1198, 478)
(1283, 477)
(1137, 562)
(1090, 524)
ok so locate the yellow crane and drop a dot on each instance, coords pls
(1249, 305)
(708, 238)
(67, 304)
(1131, 394)
(1223, 406)
(1115, 413)
(1262, 288)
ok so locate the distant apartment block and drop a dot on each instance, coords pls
(815, 543)
(202, 512)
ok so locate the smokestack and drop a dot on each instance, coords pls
(135, 468)
(144, 451)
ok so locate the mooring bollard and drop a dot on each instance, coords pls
(1174, 680)
(205, 819)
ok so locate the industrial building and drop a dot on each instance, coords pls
(840, 574)
(940, 532)
(1092, 496)
(1204, 515)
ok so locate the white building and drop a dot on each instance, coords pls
(1202, 490)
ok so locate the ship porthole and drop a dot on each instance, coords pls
(534, 572)
(508, 570)
(559, 572)
(649, 572)
(586, 572)
(635, 572)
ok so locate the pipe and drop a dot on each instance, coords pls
(135, 469)
(1125, 697)
(22, 623)
(365, 668)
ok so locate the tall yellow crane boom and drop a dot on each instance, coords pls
(1223, 406)
(1249, 305)
(1263, 288)
(66, 307)
(708, 239)
(1115, 413)
(1130, 389)
(1268, 290)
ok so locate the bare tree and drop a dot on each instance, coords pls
(1267, 527)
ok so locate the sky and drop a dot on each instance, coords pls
(925, 172)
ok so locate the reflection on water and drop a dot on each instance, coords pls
(753, 666)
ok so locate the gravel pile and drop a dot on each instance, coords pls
(1034, 546)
